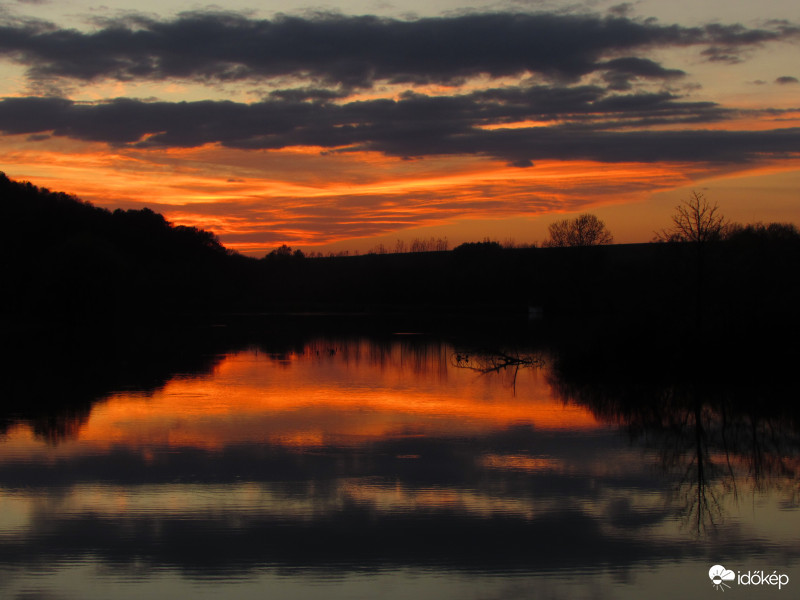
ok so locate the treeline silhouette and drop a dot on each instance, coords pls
(66, 260)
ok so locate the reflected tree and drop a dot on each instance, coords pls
(709, 439)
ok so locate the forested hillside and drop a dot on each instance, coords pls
(64, 258)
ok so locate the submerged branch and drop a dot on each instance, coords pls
(494, 361)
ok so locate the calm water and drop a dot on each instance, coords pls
(400, 468)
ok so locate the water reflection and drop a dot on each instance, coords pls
(339, 457)
(716, 444)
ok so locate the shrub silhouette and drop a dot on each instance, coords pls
(583, 230)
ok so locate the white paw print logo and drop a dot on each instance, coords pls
(719, 575)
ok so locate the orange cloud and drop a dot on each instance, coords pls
(255, 201)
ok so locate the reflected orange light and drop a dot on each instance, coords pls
(522, 463)
(307, 402)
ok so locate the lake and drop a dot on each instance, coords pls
(404, 465)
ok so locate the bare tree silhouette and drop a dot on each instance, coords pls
(695, 220)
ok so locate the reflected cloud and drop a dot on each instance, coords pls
(341, 454)
(327, 393)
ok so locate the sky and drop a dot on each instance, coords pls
(351, 124)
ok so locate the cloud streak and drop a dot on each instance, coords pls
(583, 122)
(345, 211)
(330, 48)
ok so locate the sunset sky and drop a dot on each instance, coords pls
(353, 123)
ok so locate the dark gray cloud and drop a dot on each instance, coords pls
(517, 146)
(588, 122)
(622, 71)
(728, 41)
(787, 79)
(334, 54)
(356, 51)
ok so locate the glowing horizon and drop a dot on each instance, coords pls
(326, 147)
